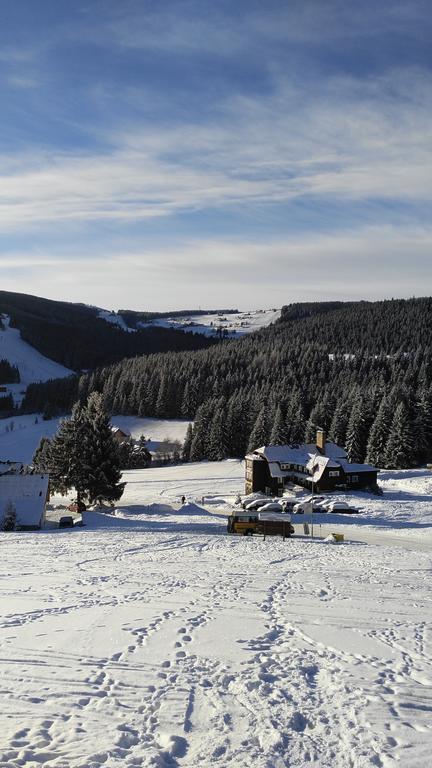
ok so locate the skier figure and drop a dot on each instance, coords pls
(183, 499)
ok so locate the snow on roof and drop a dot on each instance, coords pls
(28, 494)
(354, 468)
(308, 455)
(299, 454)
(275, 469)
(119, 429)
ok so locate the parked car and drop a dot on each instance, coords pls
(305, 504)
(66, 522)
(256, 504)
(272, 506)
(341, 507)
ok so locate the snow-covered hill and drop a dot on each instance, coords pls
(230, 324)
(151, 637)
(233, 325)
(32, 365)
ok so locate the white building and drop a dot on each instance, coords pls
(28, 494)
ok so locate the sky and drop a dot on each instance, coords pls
(168, 154)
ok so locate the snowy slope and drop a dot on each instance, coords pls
(234, 325)
(152, 638)
(33, 366)
(20, 436)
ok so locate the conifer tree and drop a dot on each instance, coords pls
(423, 425)
(66, 455)
(186, 448)
(356, 438)
(379, 434)
(339, 423)
(84, 455)
(279, 434)
(218, 444)
(260, 433)
(101, 469)
(199, 446)
(42, 456)
(400, 452)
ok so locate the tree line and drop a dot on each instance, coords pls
(360, 370)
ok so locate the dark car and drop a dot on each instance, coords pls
(66, 522)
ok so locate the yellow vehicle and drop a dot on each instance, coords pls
(248, 523)
(245, 524)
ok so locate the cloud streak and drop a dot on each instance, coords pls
(258, 152)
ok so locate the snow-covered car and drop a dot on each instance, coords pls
(256, 504)
(317, 500)
(272, 506)
(307, 505)
(341, 507)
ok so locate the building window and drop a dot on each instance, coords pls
(354, 478)
(334, 473)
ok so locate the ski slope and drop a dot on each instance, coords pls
(33, 366)
(150, 637)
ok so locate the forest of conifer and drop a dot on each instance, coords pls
(360, 370)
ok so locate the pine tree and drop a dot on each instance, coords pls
(423, 425)
(199, 446)
(339, 424)
(379, 434)
(260, 433)
(279, 434)
(186, 448)
(100, 454)
(42, 456)
(218, 444)
(66, 455)
(400, 452)
(356, 438)
(295, 420)
(85, 456)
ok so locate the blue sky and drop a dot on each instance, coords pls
(159, 155)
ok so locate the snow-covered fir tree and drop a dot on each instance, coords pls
(379, 434)
(400, 451)
(101, 470)
(260, 434)
(356, 437)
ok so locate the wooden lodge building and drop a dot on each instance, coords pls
(320, 467)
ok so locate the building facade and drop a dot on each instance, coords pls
(322, 466)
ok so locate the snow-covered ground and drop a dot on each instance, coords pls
(234, 324)
(33, 366)
(20, 435)
(150, 637)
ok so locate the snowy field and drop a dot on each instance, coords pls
(235, 324)
(152, 638)
(20, 435)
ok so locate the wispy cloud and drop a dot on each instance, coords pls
(354, 141)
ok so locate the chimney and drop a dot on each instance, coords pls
(321, 441)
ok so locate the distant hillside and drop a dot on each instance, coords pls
(75, 336)
(338, 366)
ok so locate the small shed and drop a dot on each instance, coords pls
(28, 493)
